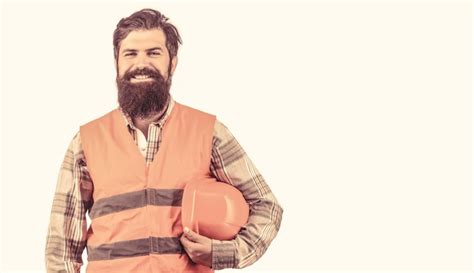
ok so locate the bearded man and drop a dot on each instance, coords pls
(128, 168)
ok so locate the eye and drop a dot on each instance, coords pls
(130, 54)
(155, 53)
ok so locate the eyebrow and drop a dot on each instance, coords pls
(149, 49)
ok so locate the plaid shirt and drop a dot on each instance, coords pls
(67, 231)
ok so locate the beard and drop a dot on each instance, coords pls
(143, 99)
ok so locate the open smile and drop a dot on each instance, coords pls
(141, 78)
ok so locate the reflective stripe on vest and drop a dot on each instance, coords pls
(133, 248)
(136, 199)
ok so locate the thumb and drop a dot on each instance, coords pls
(191, 235)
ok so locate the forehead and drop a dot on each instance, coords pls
(144, 39)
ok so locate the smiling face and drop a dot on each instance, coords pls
(145, 48)
(144, 72)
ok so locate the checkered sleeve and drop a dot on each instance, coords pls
(67, 230)
(230, 164)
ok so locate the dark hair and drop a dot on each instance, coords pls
(147, 19)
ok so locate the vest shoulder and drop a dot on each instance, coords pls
(99, 119)
(195, 112)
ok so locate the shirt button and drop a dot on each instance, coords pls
(143, 149)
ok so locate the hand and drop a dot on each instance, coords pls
(198, 247)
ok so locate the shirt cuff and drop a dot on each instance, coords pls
(223, 254)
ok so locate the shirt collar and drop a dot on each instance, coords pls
(159, 122)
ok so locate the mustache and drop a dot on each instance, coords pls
(143, 71)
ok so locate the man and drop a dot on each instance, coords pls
(128, 169)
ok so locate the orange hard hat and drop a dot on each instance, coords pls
(214, 209)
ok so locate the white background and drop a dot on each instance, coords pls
(358, 114)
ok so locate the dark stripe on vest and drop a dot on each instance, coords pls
(136, 199)
(133, 248)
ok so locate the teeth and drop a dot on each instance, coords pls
(141, 77)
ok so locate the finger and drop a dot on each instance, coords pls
(187, 244)
(188, 247)
(192, 236)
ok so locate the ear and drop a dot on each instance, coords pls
(174, 62)
(116, 63)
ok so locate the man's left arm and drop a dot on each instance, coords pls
(230, 164)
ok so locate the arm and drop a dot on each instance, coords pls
(230, 164)
(67, 231)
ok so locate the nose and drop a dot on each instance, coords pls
(142, 61)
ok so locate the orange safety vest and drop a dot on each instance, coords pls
(136, 216)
